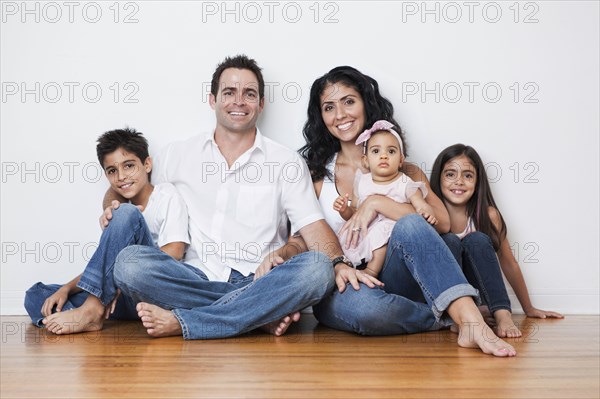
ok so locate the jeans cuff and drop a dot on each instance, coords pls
(499, 307)
(184, 328)
(92, 290)
(444, 300)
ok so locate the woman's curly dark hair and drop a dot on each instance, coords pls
(320, 145)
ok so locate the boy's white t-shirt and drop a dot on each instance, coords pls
(166, 215)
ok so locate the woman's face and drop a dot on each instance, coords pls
(343, 111)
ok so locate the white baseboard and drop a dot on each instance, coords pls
(565, 301)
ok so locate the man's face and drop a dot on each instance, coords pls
(237, 104)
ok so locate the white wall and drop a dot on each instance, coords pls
(542, 146)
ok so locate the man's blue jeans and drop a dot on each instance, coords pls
(476, 255)
(421, 280)
(127, 227)
(211, 309)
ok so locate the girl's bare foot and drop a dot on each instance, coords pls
(87, 317)
(474, 332)
(505, 326)
(279, 327)
(158, 321)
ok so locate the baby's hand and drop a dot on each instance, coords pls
(427, 212)
(341, 203)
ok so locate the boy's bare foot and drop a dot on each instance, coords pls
(505, 326)
(158, 321)
(474, 332)
(279, 327)
(87, 317)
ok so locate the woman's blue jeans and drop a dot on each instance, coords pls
(127, 227)
(421, 279)
(477, 257)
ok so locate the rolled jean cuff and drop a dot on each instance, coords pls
(444, 300)
(92, 290)
(184, 328)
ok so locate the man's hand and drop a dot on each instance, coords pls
(345, 274)
(267, 264)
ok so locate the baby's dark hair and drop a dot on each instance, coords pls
(128, 139)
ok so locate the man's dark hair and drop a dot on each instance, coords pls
(128, 139)
(240, 62)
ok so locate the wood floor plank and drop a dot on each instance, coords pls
(556, 359)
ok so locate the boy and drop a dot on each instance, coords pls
(83, 303)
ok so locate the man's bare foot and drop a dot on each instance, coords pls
(474, 332)
(87, 317)
(279, 327)
(454, 328)
(505, 326)
(158, 321)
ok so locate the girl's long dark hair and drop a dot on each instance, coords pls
(320, 144)
(482, 199)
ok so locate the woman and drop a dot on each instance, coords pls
(424, 289)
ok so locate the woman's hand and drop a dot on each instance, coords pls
(345, 274)
(58, 299)
(359, 222)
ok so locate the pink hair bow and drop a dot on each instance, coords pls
(377, 126)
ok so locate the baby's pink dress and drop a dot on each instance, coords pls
(380, 229)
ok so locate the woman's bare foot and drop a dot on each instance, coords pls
(505, 326)
(87, 317)
(158, 321)
(279, 327)
(474, 332)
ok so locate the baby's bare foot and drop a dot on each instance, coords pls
(158, 321)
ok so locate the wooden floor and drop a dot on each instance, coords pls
(556, 359)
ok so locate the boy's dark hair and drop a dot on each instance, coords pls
(240, 62)
(128, 139)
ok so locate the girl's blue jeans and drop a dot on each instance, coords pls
(476, 255)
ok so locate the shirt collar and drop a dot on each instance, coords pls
(259, 143)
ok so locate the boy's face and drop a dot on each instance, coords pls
(126, 173)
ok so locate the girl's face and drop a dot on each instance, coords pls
(383, 157)
(343, 111)
(459, 180)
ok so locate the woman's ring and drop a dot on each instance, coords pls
(356, 229)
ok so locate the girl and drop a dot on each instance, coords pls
(459, 178)
(382, 157)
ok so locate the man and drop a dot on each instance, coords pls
(241, 189)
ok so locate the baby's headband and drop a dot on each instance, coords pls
(377, 126)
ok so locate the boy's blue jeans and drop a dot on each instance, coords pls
(421, 280)
(476, 255)
(127, 227)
